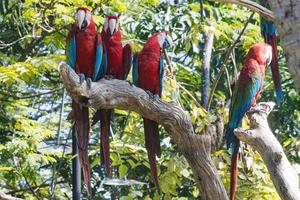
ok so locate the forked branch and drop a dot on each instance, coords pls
(122, 95)
(260, 136)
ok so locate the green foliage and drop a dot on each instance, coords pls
(32, 40)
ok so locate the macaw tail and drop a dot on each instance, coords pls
(152, 144)
(234, 168)
(82, 129)
(268, 31)
(104, 115)
(275, 69)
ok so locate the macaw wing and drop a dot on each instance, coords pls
(71, 50)
(161, 74)
(135, 70)
(126, 60)
(99, 68)
(104, 62)
(242, 99)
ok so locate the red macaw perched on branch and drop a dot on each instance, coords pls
(84, 54)
(268, 31)
(117, 60)
(246, 92)
(148, 74)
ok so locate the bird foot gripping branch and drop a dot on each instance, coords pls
(78, 91)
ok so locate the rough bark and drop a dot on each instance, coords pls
(205, 70)
(260, 136)
(287, 20)
(122, 95)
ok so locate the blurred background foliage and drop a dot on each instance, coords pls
(35, 159)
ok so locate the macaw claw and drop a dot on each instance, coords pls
(129, 82)
(89, 82)
(81, 78)
(152, 96)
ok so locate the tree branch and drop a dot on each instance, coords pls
(122, 95)
(205, 70)
(283, 175)
(4, 196)
(266, 13)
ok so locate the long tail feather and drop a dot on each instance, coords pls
(152, 144)
(275, 69)
(82, 128)
(104, 116)
(234, 168)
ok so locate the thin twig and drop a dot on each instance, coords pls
(227, 55)
(53, 182)
(30, 96)
(34, 187)
(255, 7)
(171, 77)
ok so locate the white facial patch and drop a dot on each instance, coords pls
(80, 17)
(161, 39)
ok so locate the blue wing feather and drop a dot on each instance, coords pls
(135, 70)
(71, 52)
(99, 68)
(161, 74)
(268, 28)
(241, 103)
(104, 63)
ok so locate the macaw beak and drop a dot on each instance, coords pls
(168, 42)
(269, 55)
(81, 20)
(112, 25)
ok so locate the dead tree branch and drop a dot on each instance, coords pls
(122, 95)
(260, 136)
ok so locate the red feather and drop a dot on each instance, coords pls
(114, 50)
(86, 41)
(82, 129)
(234, 169)
(149, 80)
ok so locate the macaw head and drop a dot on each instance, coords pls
(111, 25)
(164, 40)
(262, 53)
(83, 18)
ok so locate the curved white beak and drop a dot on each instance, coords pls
(112, 23)
(80, 18)
(269, 55)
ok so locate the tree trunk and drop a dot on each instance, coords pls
(287, 20)
(260, 136)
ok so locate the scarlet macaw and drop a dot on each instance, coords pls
(117, 60)
(268, 31)
(84, 54)
(148, 74)
(246, 92)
